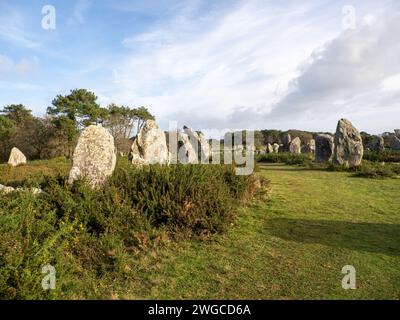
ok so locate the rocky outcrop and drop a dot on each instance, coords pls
(150, 145)
(295, 146)
(324, 146)
(94, 157)
(16, 157)
(349, 148)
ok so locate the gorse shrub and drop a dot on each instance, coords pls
(198, 197)
(285, 157)
(377, 170)
(99, 235)
(368, 169)
(385, 156)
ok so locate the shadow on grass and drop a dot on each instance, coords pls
(370, 237)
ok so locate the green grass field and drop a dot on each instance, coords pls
(292, 246)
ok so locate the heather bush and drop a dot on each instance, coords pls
(285, 157)
(94, 237)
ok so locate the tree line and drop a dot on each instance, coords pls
(56, 133)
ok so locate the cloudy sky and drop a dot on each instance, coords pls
(232, 64)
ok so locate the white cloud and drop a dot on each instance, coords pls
(79, 9)
(391, 83)
(202, 71)
(347, 74)
(13, 28)
(10, 69)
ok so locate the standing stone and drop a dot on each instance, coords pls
(349, 148)
(150, 145)
(286, 142)
(275, 147)
(309, 147)
(199, 143)
(378, 144)
(323, 148)
(186, 152)
(16, 157)
(270, 148)
(94, 157)
(295, 146)
(396, 144)
(397, 133)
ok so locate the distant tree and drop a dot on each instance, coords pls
(7, 127)
(72, 112)
(17, 113)
(121, 121)
(19, 128)
(367, 139)
(80, 106)
(272, 136)
(142, 114)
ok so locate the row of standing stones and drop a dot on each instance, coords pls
(345, 148)
(94, 157)
(95, 154)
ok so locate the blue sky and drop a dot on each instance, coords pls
(211, 64)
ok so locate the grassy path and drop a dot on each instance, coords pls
(292, 247)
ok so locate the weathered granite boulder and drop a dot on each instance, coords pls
(180, 148)
(16, 157)
(150, 145)
(199, 144)
(396, 144)
(186, 152)
(309, 147)
(34, 191)
(5, 189)
(295, 146)
(286, 142)
(270, 148)
(324, 146)
(275, 147)
(349, 148)
(377, 144)
(94, 156)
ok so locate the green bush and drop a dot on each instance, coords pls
(386, 156)
(368, 169)
(198, 197)
(377, 170)
(94, 237)
(285, 157)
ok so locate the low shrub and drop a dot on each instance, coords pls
(99, 235)
(385, 156)
(368, 169)
(377, 170)
(285, 157)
